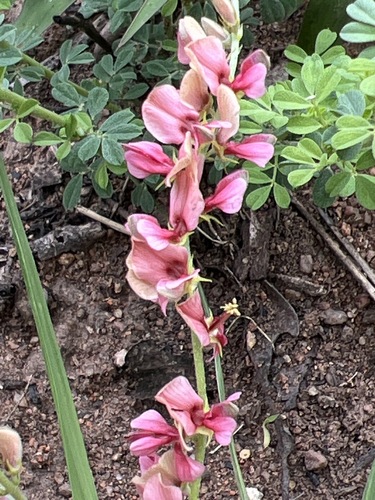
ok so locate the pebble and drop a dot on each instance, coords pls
(254, 494)
(334, 317)
(313, 391)
(66, 259)
(117, 313)
(314, 460)
(362, 301)
(306, 264)
(362, 340)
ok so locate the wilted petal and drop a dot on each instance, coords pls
(183, 403)
(146, 158)
(257, 148)
(189, 30)
(156, 489)
(193, 314)
(229, 111)
(193, 91)
(187, 469)
(229, 193)
(208, 57)
(166, 116)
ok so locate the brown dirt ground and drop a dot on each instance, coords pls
(320, 379)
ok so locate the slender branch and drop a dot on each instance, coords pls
(16, 100)
(10, 487)
(103, 220)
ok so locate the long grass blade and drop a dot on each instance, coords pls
(80, 475)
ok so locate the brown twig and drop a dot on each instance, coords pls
(103, 220)
(345, 259)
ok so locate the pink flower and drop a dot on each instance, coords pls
(256, 148)
(10, 450)
(146, 158)
(145, 227)
(162, 477)
(186, 200)
(188, 30)
(229, 193)
(187, 409)
(159, 276)
(167, 117)
(226, 10)
(208, 57)
(152, 432)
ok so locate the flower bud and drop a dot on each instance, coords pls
(10, 449)
(227, 11)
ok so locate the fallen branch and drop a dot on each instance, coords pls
(103, 220)
(345, 259)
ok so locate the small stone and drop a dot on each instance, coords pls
(245, 454)
(65, 490)
(334, 317)
(81, 313)
(66, 259)
(117, 313)
(314, 460)
(118, 287)
(362, 340)
(251, 340)
(291, 294)
(306, 264)
(254, 494)
(119, 358)
(347, 333)
(369, 317)
(362, 301)
(313, 391)
(346, 229)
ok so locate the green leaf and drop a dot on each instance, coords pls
(368, 85)
(38, 14)
(27, 107)
(281, 196)
(46, 139)
(358, 33)
(258, 197)
(311, 71)
(136, 91)
(70, 54)
(63, 150)
(147, 202)
(362, 11)
(103, 193)
(157, 68)
(349, 137)
(117, 169)
(311, 148)
(72, 192)
(9, 56)
(337, 183)
(67, 94)
(273, 11)
(332, 54)
(88, 147)
(6, 123)
(365, 190)
(301, 176)
(324, 40)
(327, 83)
(169, 7)
(365, 161)
(148, 9)
(352, 103)
(23, 133)
(345, 122)
(117, 120)
(71, 163)
(285, 99)
(369, 492)
(256, 176)
(295, 53)
(320, 195)
(302, 125)
(112, 151)
(297, 155)
(97, 100)
(249, 128)
(101, 176)
(80, 475)
(266, 433)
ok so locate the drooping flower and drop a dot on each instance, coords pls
(145, 158)
(152, 432)
(208, 57)
(160, 276)
(229, 193)
(187, 409)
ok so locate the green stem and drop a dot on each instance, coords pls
(232, 448)
(10, 487)
(200, 440)
(16, 100)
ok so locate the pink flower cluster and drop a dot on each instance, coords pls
(166, 476)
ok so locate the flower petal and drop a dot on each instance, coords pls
(229, 193)
(146, 158)
(257, 148)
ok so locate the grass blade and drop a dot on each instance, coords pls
(148, 9)
(80, 475)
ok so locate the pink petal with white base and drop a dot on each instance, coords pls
(189, 30)
(187, 468)
(155, 489)
(229, 111)
(146, 158)
(193, 91)
(208, 57)
(257, 148)
(229, 193)
(166, 117)
(251, 80)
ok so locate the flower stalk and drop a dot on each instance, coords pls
(11, 488)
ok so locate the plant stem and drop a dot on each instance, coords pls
(200, 440)
(233, 454)
(16, 100)
(10, 487)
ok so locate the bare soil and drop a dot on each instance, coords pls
(319, 377)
